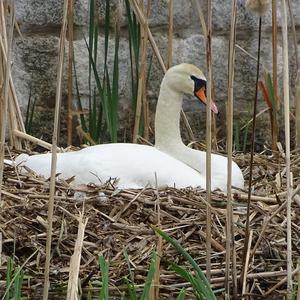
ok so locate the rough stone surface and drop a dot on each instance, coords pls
(36, 61)
(48, 13)
(35, 55)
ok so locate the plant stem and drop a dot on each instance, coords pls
(252, 153)
(229, 225)
(70, 73)
(208, 138)
(170, 34)
(5, 91)
(54, 150)
(287, 147)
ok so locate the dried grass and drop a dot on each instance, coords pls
(119, 220)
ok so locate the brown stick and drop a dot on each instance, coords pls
(252, 151)
(208, 138)
(229, 117)
(295, 43)
(274, 52)
(72, 290)
(170, 34)
(5, 95)
(281, 282)
(142, 77)
(54, 149)
(32, 139)
(287, 145)
(70, 73)
(297, 112)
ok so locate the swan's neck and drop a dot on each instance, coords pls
(167, 118)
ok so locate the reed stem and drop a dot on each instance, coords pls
(70, 73)
(54, 150)
(5, 91)
(208, 138)
(229, 215)
(286, 101)
(247, 231)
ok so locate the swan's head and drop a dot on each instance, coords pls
(188, 79)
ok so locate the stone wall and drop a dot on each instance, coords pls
(35, 53)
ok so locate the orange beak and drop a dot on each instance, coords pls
(200, 94)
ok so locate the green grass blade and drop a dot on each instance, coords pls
(9, 275)
(181, 295)
(98, 84)
(104, 277)
(208, 291)
(130, 285)
(150, 275)
(79, 103)
(106, 31)
(18, 284)
(197, 284)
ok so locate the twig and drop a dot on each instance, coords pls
(247, 263)
(72, 290)
(229, 117)
(281, 282)
(30, 138)
(54, 149)
(287, 145)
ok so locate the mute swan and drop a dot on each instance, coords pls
(136, 166)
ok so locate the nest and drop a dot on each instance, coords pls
(119, 220)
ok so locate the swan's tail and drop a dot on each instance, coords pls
(9, 162)
(19, 160)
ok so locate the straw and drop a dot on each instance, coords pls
(54, 150)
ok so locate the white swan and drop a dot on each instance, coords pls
(169, 163)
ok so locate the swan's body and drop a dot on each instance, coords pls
(169, 163)
(135, 166)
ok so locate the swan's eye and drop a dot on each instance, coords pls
(198, 84)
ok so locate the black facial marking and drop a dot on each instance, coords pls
(199, 83)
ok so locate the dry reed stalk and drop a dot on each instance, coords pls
(15, 116)
(32, 139)
(5, 93)
(229, 118)
(297, 112)
(142, 76)
(298, 279)
(244, 279)
(201, 17)
(281, 282)
(72, 291)
(208, 137)
(54, 149)
(170, 34)
(70, 72)
(156, 279)
(142, 20)
(261, 9)
(1, 241)
(286, 100)
(293, 27)
(274, 52)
